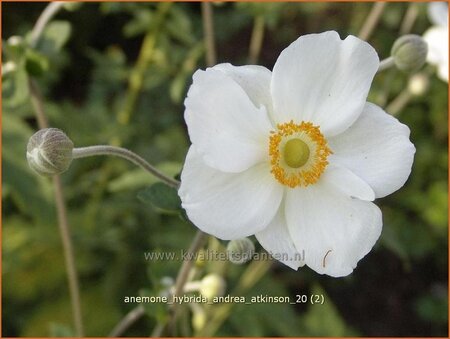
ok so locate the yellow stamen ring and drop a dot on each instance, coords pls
(298, 153)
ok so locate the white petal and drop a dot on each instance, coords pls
(437, 40)
(377, 149)
(323, 79)
(347, 182)
(228, 205)
(438, 13)
(276, 240)
(223, 123)
(254, 80)
(334, 230)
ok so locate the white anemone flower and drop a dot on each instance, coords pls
(437, 38)
(295, 156)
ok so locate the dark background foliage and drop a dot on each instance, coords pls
(399, 289)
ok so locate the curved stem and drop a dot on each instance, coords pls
(385, 64)
(372, 20)
(399, 102)
(89, 151)
(134, 315)
(48, 13)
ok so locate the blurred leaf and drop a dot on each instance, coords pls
(138, 178)
(15, 88)
(433, 307)
(324, 320)
(60, 330)
(162, 197)
(54, 37)
(36, 63)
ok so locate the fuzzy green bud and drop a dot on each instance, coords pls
(240, 250)
(409, 52)
(49, 151)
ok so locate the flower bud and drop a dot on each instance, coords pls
(15, 47)
(212, 285)
(409, 52)
(240, 251)
(49, 151)
(418, 84)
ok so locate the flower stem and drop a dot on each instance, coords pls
(372, 20)
(134, 315)
(399, 102)
(37, 103)
(69, 256)
(72, 278)
(409, 18)
(124, 153)
(208, 28)
(256, 39)
(47, 14)
(385, 64)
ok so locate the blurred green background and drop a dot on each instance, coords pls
(82, 66)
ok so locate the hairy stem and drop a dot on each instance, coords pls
(83, 152)
(385, 64)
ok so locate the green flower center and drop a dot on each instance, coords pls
(296, 153)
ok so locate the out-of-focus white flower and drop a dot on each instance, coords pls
(295, 156)
(437, 38)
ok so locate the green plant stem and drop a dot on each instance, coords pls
(47, 14)
(130, 318)
(409, 18)
(254, 272)
(372, 20)
(69, 255)
(137, 74)
(183, 273)
(208, 28)
(385, 64)
(83, 152)
(72, 277)
(399, 102)
(257, 39)
(64, 228)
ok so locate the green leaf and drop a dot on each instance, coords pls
(15, 88)
(36, 63)
(138, 178)
(55, 36)
(162, 197)
(324, 320)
